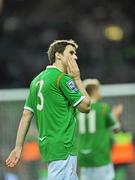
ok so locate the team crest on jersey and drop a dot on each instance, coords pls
(72, 86)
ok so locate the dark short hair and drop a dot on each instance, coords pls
(59, 46)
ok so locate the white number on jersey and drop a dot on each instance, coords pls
(91, 122)
(40, 95)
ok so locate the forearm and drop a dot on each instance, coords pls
(81, 88)
(74, 71)
(23, 128)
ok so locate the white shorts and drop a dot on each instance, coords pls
(63, 169)
(105, 172)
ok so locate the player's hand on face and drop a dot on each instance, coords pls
(13, 158)
(72, 68)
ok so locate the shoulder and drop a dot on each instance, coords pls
(36, 78)
(104, 104)
(66, 79)
(105, 107)
(68, 82)
(66, 76)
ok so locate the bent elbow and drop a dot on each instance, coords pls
(87, 106)
(86, 110)
(84, 106)
(87, 101)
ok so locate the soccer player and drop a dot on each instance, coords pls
(94, 136)
(54, 94)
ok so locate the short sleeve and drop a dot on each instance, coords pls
(28, 103)
(70, 90)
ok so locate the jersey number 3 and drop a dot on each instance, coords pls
(40, 95)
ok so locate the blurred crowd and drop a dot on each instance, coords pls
(28, 27)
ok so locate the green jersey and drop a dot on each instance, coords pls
(52, 98)
(94, 135)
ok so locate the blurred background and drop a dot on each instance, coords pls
(105, 33)
(104, 30)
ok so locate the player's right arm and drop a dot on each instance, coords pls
(15, 154)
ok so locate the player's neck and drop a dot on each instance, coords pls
(94, 97)
(59, 66)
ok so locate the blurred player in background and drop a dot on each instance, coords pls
(54, 95)
(94, 136)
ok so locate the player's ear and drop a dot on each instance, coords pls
(58, 55)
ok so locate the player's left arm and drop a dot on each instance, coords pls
(74, 71)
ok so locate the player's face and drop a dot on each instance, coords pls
(69, 53)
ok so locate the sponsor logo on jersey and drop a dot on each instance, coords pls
(72, 86)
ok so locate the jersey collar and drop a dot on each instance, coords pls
(51, 66)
